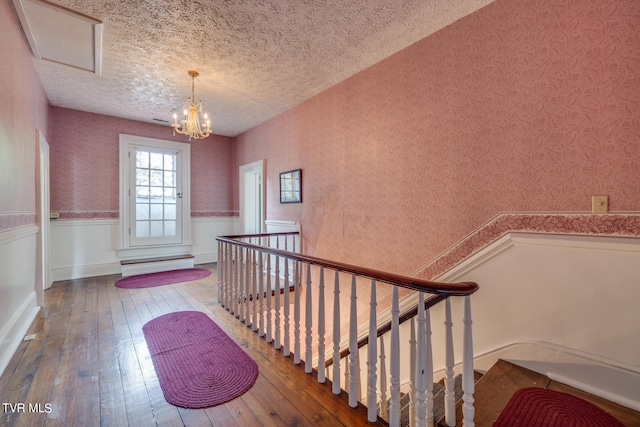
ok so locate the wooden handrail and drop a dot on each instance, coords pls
(447, 289)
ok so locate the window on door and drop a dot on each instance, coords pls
(154, 193)
(156, 196)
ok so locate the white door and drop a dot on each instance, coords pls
(252, 197)
(155, 195)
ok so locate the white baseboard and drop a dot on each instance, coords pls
(87, 270)
(12, 334)
(206, 258)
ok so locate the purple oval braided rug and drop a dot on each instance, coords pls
(539, 407)
(197, 363)
(162, 278)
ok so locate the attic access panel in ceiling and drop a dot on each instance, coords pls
(61, 35)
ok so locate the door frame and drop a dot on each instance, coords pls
(126, 250)
(43, 255)
(260, 201)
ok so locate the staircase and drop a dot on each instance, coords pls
(494, 389)
(438, 401)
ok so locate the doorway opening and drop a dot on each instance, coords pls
(252, 197)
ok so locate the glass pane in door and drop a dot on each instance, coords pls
(156, 195)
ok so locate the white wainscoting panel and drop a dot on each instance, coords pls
(203, 236)
(574, 292)
(87, 248)
(84, 248)
(17, 288)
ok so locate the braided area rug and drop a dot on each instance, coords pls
(539, 407)
(162, 278)
(197, 363)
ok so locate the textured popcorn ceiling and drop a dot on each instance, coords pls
(256, 58)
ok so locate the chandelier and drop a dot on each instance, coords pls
(190, 125)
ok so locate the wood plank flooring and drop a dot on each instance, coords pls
(89, 366)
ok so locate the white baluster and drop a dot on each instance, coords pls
(394, 368)
(321, 329)
(353, 346)
(222, 269)
(345, 369)
(335, 386)
(296, 314)
(261, 292)
(277, 344)
(468, 386)
(241, 299)
(231, 253)
(384, 409)
(420, 378)
(269, 291)
(220, 276)
(412, 369)
(247, 290)
(372, 381)
(449, 377)
(231, 262)
(254, 292)
(308, 367)
(230, 277)
(220, 272)
(227, 276)
(428, 370)
(285, 342)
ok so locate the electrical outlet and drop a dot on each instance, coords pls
(600, 204)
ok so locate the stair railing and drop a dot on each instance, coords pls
(255, 276)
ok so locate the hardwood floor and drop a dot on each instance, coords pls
(89, 366)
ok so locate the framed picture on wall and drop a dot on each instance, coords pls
(291, 186)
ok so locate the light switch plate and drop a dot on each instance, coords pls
(600, 204)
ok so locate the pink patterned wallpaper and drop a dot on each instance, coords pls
(523, 106)
(85, 165)
(23, 109)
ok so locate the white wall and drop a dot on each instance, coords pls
(17, 287)
(580, 292)
(563, 305)
(87, 248)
